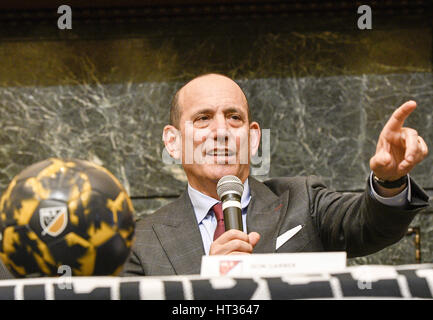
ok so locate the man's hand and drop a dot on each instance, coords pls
(234, 242)
(399, 149)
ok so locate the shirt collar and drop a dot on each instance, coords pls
(203, 203)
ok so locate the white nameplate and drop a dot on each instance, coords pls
(272, 264)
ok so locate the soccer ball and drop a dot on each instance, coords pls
(69, 213)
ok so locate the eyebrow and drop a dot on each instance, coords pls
(202, 111)
(211, 111)
(234, 110)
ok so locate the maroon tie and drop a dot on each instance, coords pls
(220, 229)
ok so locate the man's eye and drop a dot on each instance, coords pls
(235, 117)
(202, 118)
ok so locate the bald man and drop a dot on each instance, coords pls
(212, 132)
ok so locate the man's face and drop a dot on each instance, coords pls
(215, 129)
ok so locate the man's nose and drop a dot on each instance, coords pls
(220, 127)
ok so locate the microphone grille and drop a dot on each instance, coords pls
(230, 183)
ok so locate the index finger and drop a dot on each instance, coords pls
(399, 116)
(232, 234)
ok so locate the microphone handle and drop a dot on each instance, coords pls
(232, 214)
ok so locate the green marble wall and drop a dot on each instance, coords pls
(323, 93)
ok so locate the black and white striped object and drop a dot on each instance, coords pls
(360, 282)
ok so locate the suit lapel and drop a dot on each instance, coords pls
(265, 212)
(180, 237)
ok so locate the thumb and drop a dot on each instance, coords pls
(380, 160)
(253, 238)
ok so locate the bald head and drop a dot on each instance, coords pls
(211, 132)
(204, 85)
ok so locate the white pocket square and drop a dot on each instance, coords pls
(282, 239)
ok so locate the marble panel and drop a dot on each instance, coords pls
(326, 126)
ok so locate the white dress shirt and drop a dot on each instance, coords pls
(207, 223)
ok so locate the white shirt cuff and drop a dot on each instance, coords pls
(398, 200)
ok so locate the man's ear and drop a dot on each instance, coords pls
(173, 142)
(255, 134)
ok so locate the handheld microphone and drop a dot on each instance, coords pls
(230, 189)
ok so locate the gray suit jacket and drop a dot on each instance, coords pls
(169, 242)
(4, 272)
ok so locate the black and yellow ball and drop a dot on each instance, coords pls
(65, 213)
